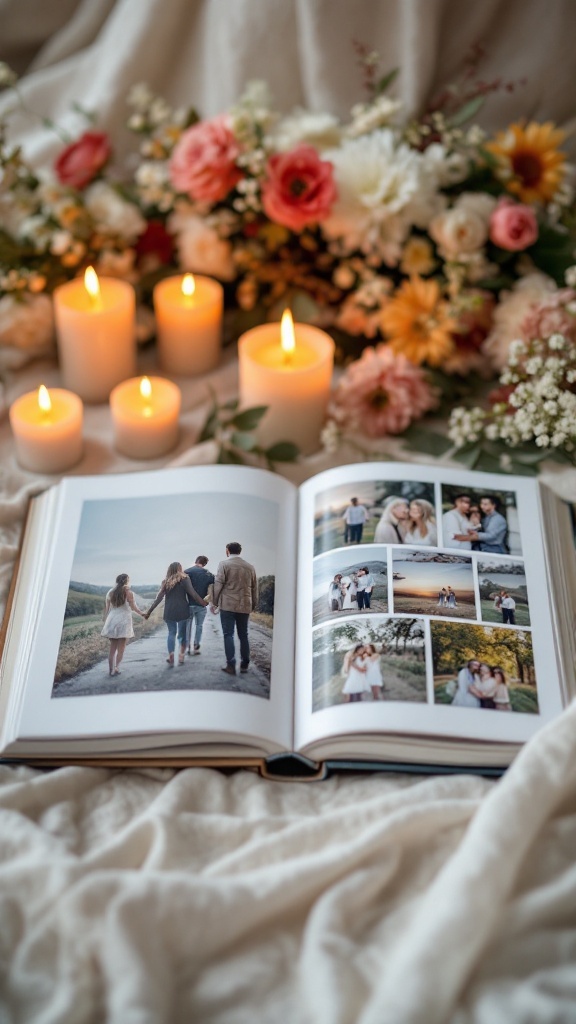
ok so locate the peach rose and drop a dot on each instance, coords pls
(513, 226)
(299, 188)
(203, 164)
(80, 162)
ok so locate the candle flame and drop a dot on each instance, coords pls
(287, 336)
(145, 387)
(44, 400)
(188, 285)
(92, 286)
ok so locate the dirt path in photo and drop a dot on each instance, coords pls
(144, 667)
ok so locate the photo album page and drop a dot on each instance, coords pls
(423, 607)
(118, 669)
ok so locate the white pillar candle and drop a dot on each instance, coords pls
(145, 416)
(293, 381)
(189, 323)
(47, 428)
(95, 325)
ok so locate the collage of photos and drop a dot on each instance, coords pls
(400, 563)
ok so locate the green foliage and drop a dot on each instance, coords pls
(266, 595)
(237, 445)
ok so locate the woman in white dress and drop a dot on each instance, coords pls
(394, 521)
(355, 669)
(422, 524)
(373, 671)
(346, 591)
(118, 626)
(468, 693)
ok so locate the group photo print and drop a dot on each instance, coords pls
(375, 512)
(480, 520)
(370, 660)
(193, 603)
(344, 587)
(483, 667)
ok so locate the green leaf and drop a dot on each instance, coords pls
(209, 429)
(554, 252)
(468, 455)
(386, 81)
(283, 451)
(246, 442)
(426, 441)
(467, 112)
(249, 419)
(229, 457)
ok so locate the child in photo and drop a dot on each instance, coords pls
(373, 671)
(355, 670)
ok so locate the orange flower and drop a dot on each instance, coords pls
(417, 323)
(529, 161)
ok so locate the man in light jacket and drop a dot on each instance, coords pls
(236, 595)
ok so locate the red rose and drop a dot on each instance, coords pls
(80, 162)
(299, 188)
(155, 242)
(203, 163)
(513, 226)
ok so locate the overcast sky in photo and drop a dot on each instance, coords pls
(141, 536)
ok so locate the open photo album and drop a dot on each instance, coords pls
(382, 614)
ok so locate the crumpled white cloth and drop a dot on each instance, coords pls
(140, 897)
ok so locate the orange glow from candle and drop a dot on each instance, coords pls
(146, 392)
(44, 400)
(287, 336)
(188, 286)
(92, 286)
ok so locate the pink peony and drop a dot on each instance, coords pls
(381, 393)
(80, 162)
(203, 162)
(552, 315)
(513, 226)
(299, 188)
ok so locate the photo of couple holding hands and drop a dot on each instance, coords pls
(188, 595)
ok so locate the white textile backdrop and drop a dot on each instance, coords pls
(141, 897)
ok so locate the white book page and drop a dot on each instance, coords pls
(139, 523)
(411, 563)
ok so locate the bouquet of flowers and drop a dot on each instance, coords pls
(397, 235)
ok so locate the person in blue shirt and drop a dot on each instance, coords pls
(492, 535)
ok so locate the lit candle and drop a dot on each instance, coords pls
(47, 428)
(96, 334)
(145, 414)
(290, 371)
(189, 323)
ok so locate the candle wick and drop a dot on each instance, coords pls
(95, 302)
(288, 358)
(147, 412)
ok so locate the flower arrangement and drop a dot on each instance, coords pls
(397, 235)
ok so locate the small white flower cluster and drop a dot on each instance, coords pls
(155, 119)
(251, 119)
(153, 186)
(466, 425)
(367, 117)
(541, 405)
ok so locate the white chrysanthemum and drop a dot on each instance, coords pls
(112, 214)
(509, 314)
(320, 130)
(26, 329)
(200, 248)
(379, 181)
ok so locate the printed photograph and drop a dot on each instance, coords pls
(433, 583)
(503, 593)
(484, 667)
(170, 593)
(344, 587)
(375, 512)
(372, 659)
(478, 520)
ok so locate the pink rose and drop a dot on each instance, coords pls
(203, 162)
(381, 393)
(299, 188)
(513, 226)
(80, 162)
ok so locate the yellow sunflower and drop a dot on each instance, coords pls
(417, 323)
(530, 163)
